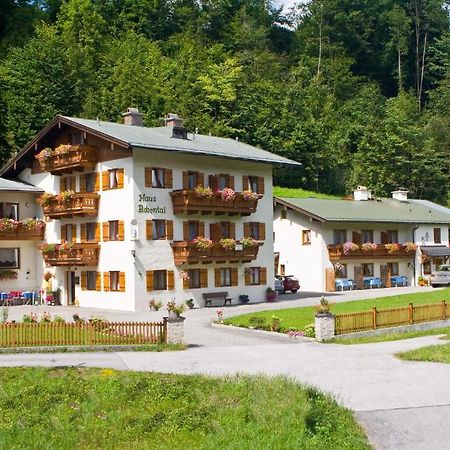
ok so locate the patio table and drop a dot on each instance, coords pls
(371, 282)
(399, 280)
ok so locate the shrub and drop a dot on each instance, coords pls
(4, 313)
(310, 330)
(324, 306)
(275, 323)
(154, 304)
(257, 322)
(190, 303)
(58, 319)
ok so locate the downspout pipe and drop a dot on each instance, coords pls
(415, 256)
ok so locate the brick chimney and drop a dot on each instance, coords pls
(132, 116)
(173, 120)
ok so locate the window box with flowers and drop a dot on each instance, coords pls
(65, 196)
(369, 247)
(8, 225)
(349, 247)
(203, 192)
(248, 242)
(8, 275)
(249, 195)
(410, 247)
(45, 199)
(392, 248)
(201, 243)
(227, 243)
(227, 194)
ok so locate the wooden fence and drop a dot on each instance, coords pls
(81, 333)
(392, 317)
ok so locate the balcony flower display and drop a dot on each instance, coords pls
(32, 224)
(8, 224)
(47, 249)
(45, 199)
(410, 246)
(203, 192)
(8, 275)
(63, 149)
(65, 247)
(227, 243)
(202, 243)
(338, 268)
(184, 275)
(369, 247)
(249, 195)
(392, 248)
(65, 196)
(349, 247)
(46, 153)
(248, 242)
(227, 194)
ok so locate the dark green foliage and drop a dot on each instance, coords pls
(357, 91)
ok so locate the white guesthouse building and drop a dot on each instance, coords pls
(320, 241)
(122, 207)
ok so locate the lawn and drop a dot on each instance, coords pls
(279, 191)
(103, 408)
(299, 317)
(433, 353)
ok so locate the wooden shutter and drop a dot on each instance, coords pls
(201, 229)
(185, 180)
(169, 230)
(186, 283)
(149, 229)
(248, 280)
(105, 231)
(357, 237)
(200, 179)
(246, 229)
(122, 281)
(213, 182)
(384, 237)
(245, 183)
(83, 281)
(170, 280)
(149, 278)
(185, 231)
(262, 231)
(231, 181)
(98, 281)
(105, 180)
(97, 182)
(82, 183)
(63, 233)
(214, 232)
(260, 185)
(120, 177)
(121, 230)
(106, 281)
(97, 232)
(62, 184)
(168, 178)
(262, 275)
(217, 277)
(203, 278)
(232, 230)
(74, 233)
(330, 280)
(234, 276)
(148, 177)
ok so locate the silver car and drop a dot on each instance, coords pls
(279, 288)
(441, 277)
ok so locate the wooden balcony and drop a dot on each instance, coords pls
(69, 158)
(85, 254)
(22, 233)
(336, 252)
(186, 253)
(186, 201)
(81, 204)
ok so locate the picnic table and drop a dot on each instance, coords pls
(399, 280)
(344, 283)
(372, 282)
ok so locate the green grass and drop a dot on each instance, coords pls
(279, 191)
(94, 408)
(299, 317)
(433, 353)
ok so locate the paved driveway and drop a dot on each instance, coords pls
(402, 405)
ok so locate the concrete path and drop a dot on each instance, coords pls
(401, 404)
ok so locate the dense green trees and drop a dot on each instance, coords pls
(358, 91)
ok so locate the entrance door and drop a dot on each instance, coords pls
(70, 287)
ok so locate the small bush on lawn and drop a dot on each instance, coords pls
(258, 322)
(310, 330)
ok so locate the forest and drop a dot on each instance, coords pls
(358, 91)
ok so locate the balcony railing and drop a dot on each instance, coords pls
(187, 201)
(67, 158)
(336, 252)
(23, 232)
(80, 204)
(187, 253)
(79, 255)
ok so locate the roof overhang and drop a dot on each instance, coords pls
(279, 201)
(435, 251)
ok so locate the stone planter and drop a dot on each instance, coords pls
(324, 325)
(173, 315)
(271, 297)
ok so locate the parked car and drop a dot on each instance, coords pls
(290, 283)
(441, 277)
(279, 289)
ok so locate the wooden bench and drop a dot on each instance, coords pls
(210, 297)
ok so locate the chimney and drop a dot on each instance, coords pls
(400, 194)
(132, 116)
(362, 194)
(173, 120)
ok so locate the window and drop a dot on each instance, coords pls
(157, 178)
(427, 267)
(252, 184)
(392, 236)
(340, 270)
(10, 210)
(284, 213)
(225, 230)
(159, 280)
(91, 280)
(368, 269)
(90, 182)
(254, 230)
(393, 268)
(367, 236)
(194, 278)
(69, 233)
(75, 138)
(113, 230)
(90, 231)
(192, 230)
(192, 180)
(113, 179)
(114, 281)
(225, 277)
(282, 269)
(159, 229)
(306, 237)
(339, 237)
(222, 181)
(254, 275)
(9, 258)
(437, 235)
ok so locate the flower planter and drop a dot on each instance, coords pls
(271, 297)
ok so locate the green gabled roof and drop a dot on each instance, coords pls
(381, 210)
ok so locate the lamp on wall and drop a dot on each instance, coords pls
(133, 253)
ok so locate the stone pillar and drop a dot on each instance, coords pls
(175, 329)
(324, 327)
